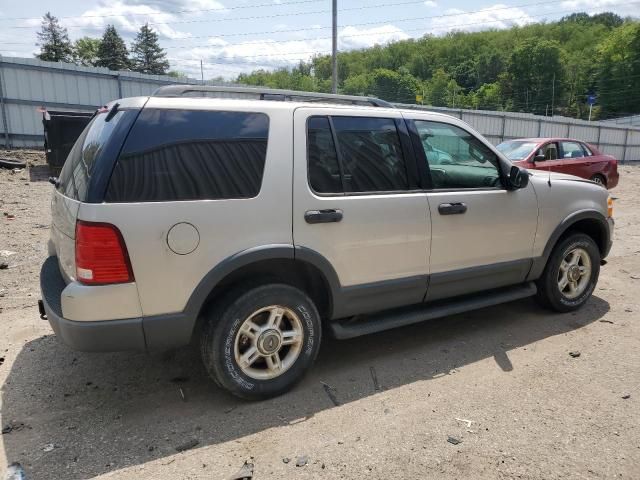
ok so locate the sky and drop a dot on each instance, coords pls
(231, 37)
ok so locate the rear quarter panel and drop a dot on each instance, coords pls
(166, 280)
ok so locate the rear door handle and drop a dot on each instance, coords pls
(330, 215)
(452, 208)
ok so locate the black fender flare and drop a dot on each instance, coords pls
(540, 262)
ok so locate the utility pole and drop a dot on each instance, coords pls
(334, 46)
(553, 92)
(201, 72)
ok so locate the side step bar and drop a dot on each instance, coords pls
(378, 322)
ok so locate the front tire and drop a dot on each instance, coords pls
(570, 275)
(258, 343)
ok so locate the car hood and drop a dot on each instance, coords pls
(556, 176)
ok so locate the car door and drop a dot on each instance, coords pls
(357, 205)
(553, 160)
(574, 162)
(482, 233)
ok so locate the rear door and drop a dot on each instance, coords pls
(574, 161)
(482, 233)
(357, 203)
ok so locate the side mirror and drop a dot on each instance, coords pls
(518, 177)
(538, 158)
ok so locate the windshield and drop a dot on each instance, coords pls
(75, 175)
(516, 150)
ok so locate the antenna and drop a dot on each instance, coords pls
(549, 180)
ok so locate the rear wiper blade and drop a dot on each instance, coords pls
(112, 112)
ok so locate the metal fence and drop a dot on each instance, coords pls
(27, 84)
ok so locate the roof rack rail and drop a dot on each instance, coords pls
(265, 94)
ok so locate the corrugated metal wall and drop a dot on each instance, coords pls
(27, 84)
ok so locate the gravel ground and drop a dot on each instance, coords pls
(500, 381)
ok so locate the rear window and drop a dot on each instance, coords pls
(76, 173)
(173, 155)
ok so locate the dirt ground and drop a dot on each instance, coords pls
(499, 380)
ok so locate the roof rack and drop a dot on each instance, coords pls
(265, 94)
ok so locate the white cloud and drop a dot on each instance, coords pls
(597, 6)
(496, 16)
(228, 59)
(430, 3)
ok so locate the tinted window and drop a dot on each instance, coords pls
(324, 170)
(191, 155)
(572, 150)
(456, 158)
(371, 154)
(77, 170)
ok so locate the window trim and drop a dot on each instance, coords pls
(407, 152)
(424, 163)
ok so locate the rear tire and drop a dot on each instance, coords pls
(599, 179)
(570, 275)
(258, 343)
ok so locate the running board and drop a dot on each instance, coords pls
(378, 322)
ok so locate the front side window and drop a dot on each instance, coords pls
(174, 155)
(368, 156)
(572, 150)
(457, 159)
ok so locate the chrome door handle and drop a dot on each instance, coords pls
(452, 208)
(330, 215)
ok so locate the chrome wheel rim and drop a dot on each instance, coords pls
(574, 273)
(268, 342)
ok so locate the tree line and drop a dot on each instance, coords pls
(543, 68)
(109, 51)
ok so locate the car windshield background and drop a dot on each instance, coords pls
(174, 155)
(456, 158)
(76, 173)
(370, 155)
(516, 150)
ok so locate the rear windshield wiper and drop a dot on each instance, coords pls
(112, 112)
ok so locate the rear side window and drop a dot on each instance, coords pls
(173, 155)
(79, 166)
(572, 150)
(368, 156)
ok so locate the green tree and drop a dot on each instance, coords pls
(537, 74)
(357, 85)
(393, 86)
(438, 93)
(85, 51)
(112, 53)
(146, 54)
(53, 40)
(618, 76)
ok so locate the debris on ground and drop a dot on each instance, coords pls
(628, 310)
(302, 460)
(374, 377)
(607, 321)
(454, 440)
(15, 472)
(4, 265)
(575, 354)
(13, 426)
(6, 253)
(187, 445)
(331, 393)
(9, 216)
(184, 399)
(245, 473)
(1, 360)
(48, 447)
(286, 460)
(626, 396)
(464, 420)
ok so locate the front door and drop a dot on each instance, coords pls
(357, 204)
(482, 233)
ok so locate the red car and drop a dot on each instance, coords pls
(563, 155)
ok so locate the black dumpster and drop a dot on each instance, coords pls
(61, 130)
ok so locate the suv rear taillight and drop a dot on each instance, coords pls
(101, 254)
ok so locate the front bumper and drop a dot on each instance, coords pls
(92, 336)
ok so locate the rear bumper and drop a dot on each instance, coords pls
(160, 332)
